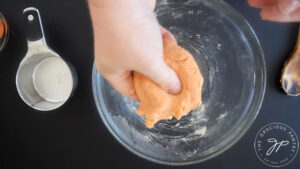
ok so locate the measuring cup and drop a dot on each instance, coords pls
(44, 80)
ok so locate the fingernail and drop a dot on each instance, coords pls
(174, 87)
(169, 36)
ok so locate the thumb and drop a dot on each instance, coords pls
(161, 73)
(164, 76)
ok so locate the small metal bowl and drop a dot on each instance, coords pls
(4, 36)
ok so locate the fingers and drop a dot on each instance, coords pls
(261, 3)
(270, 14)
(273, 13)
(284, 11)
(162, 75)
(287, 6)
(157, 70)
(278, 10)
(123, 83)
(167, 34)
(160, 72)
(295, 16)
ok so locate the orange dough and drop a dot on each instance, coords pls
(156, 103)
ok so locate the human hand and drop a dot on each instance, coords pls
(127, 37)
(278, 10)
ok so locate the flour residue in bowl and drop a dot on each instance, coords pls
(172, 136)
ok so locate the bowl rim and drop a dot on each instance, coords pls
(254, 105)
(5, 35)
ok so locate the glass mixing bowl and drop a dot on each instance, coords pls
(232, 63)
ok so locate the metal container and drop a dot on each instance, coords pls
(3, 32)
(44, 80)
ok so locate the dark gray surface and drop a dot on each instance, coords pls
(74, 136)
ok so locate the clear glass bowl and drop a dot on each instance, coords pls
(231, 60)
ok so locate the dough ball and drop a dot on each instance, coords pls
(157, 104)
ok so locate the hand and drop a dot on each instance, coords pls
(128, 38)
(278, 10)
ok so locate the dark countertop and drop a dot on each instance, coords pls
(74, 135)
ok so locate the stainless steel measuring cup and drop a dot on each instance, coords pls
(44, 80)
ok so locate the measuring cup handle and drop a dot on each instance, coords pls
(33, 23)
